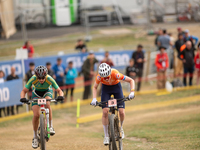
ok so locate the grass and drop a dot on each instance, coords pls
(170, 131)
(175, 127)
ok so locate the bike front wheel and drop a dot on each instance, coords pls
(117, 134)
(42, 133)
(112, 145)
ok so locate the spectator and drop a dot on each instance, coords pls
(50, 71)
(30, 49)
(131, 70)
(59, 70)
(160, 32)
(193, 39)
(180, 31)
(197, 63)
(107, 59)
(81, 46)
(12, 76)
(164, 40)
(71, 74)
(88, 73)
(178, 44)
(2, 81)
(188, 62)
(171, 38)
(162, 64)
(29, 74)
(138, 57)
(2, 74)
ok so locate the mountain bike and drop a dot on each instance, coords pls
(114, 125)
(43, 129)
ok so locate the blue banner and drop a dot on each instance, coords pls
(10, 92)
(120, 59)
(6, 67)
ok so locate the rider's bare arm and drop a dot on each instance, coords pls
(131, 81)
(95, 90)
(60, 92)
(23, 92)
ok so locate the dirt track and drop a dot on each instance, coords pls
(88, 137)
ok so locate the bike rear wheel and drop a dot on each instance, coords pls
(42, 133)
(112, 145)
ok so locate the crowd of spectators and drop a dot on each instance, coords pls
(186, 62)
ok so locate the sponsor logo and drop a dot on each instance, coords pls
(118, 76)
(4, 94)
(7, 68)
(99, 78)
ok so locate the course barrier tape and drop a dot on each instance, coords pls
(86, 102)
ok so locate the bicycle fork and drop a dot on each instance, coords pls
(47, 118)
(45, 111)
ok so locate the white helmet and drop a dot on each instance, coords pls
(104, 70)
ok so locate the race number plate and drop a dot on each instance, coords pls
(41, 101)
(112, 103)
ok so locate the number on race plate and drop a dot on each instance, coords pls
(112, 103)
(41, 101)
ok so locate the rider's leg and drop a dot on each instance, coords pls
(35, 121)
(122, 115)
(105, 121)
(72, 93)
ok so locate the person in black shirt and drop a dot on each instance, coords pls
(50, 71)
(138, 57)
(81, 46)
(12, 76)
(131, 70)
(188, 62)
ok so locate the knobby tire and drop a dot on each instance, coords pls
(112, 132)
(42, 133)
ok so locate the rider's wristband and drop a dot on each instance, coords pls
(132, 90)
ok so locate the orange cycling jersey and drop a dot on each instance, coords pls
(114, 78)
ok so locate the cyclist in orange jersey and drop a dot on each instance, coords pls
(110, 79)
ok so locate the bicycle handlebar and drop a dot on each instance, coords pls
(100, 104)
(36, 100)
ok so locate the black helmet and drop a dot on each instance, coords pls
(41, 71)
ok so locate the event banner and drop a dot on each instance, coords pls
(10, 92)
(120, 59)
(5, 66)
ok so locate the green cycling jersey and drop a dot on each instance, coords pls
(49, 82)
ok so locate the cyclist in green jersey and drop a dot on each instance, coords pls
(42, 87)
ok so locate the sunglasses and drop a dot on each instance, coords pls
(41, 78)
